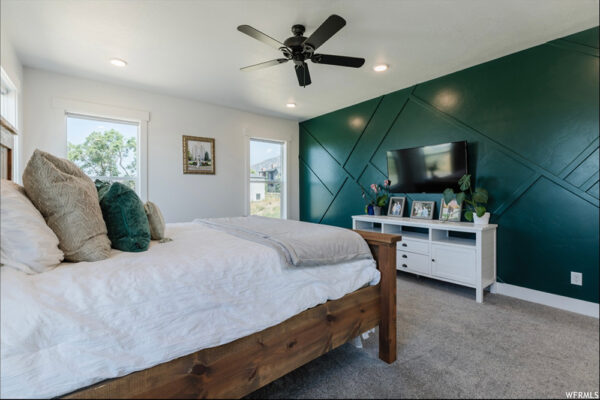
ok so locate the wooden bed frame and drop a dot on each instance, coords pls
(238, 368)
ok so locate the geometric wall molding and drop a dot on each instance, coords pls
(531, 121)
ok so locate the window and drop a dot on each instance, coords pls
(8, 99)
(105, 149)
(267, 183)
(9, 140)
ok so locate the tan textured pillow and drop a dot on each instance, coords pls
(156, 220)
(68, 200)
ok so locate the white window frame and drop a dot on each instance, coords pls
(13, 140)
(116, 114)
(5, 80)
(284, 177)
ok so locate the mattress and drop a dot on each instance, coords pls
(83, 323)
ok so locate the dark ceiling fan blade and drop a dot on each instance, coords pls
(327, 29)
(258, 35)
(265, 64)
(303, 74)
(343, 61)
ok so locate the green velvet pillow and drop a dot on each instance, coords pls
(124, 215)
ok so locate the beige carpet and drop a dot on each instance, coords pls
(451, 347)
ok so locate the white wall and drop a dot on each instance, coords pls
(180, 197)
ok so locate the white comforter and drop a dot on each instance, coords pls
(82, 323)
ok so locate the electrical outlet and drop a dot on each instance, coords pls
(576, 278)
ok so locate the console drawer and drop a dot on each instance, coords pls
(414, 246)
(412, 262)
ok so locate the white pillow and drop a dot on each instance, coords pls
(27, 243)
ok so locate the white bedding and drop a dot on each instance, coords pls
(300, 243)
(82, 323)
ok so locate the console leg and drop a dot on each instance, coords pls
(479, 295)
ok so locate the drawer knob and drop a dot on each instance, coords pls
(432, 260)
(404, 256)
(405, 266)
(403, 244)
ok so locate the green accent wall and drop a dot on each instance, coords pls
(531, 121)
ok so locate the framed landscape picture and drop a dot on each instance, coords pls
(198, 155)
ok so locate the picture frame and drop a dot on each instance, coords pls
(422, 209)
(198, 155)
(396, 207)
(450, 212)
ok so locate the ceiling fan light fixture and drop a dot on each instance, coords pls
(117, 62)
(290, 105)
(380, 67)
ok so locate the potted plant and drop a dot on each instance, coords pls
(378, 199)
(475, 200)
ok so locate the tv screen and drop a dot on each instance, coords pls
(427, 169)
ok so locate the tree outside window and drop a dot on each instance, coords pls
(104, 149)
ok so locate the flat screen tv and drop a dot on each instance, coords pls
(427, 169)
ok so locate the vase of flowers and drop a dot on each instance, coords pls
(377, 197)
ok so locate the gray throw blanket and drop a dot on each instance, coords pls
(300, 243)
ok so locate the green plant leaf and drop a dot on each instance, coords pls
(460, 198)
(382, 200)
(480, 196)
(480, 211)
(448, 195)
(469, 215)
(465, 182)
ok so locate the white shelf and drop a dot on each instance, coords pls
(426, 223)
(414, 235)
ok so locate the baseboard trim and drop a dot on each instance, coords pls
(548, 299)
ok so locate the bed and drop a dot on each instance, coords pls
(210, 314)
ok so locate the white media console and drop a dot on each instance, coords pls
(457, 252)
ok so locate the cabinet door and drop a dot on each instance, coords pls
(454, 262)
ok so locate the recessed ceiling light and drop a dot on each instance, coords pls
(117, 62)
(291, 105)
(380, 67)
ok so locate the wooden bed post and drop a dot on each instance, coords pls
(383, 247)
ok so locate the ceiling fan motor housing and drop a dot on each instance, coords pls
(300, 51)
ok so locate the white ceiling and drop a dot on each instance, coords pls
(192, 49)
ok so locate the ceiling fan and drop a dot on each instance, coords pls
(299, 48)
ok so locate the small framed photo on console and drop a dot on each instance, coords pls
(422, 209)
(451, 211)
(396, 207)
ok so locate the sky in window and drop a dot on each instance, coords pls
(261, 151)
(79, 128)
